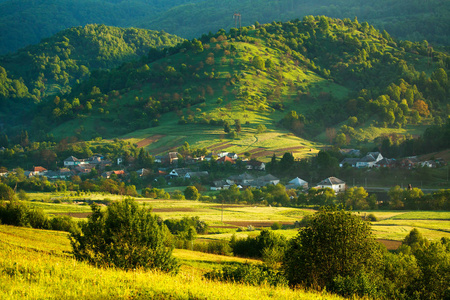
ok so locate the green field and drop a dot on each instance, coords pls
(227, 219)
(36, 264)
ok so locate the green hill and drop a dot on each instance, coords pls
(27, 22)
(57, 63)
(302, 77)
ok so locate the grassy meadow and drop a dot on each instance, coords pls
(41, 268)
(37, 264)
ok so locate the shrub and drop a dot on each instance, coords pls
(38, 219)
(6, 193)
(276, 226)
(248, 274)
(372, 218)
(125, 236)
(64, 223)
(14, 213)
(254, 246)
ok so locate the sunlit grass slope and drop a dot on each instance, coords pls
(29, 272)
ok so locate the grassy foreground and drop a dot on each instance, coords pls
(35, 264)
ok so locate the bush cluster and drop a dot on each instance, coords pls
(17, 213)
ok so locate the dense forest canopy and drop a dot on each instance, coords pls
(57, 63)
(412, 20)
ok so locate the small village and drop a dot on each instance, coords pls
(255, 175)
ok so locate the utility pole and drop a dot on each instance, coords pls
(236, 17)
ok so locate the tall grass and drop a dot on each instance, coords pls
(29, 274)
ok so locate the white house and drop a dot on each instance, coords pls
(369, 160)
(334, 183)
(71, 161)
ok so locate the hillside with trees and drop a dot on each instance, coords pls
(23, 23)
(309, 77)
(57, 63)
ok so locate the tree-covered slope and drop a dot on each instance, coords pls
(57, 63)
(27, 22)
(304, 76)
(412, 20)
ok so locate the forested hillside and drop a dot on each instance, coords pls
(24, 22)
(59, 62)
(305, 76)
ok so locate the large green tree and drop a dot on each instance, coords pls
(125, 236)
(335, 244)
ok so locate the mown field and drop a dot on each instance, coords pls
(225, 220)
(36, 264)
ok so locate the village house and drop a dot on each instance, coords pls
(268, 179)
(190, 174)
(169, 158)
(218, 185)
(210, 156)
(428, 164)
(409, 162)
(333, 183)
(225, 159)
(143, 172)
(83, 169)
(38, 170)
(349, 161)
(108, 174)
(255, 165)
(297, 183)
(367, 161)
(179, 172)
(233, 156)
(242, 179)
(63, 174)
(71, 161)
(385, 163)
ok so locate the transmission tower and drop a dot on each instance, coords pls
(236, 17)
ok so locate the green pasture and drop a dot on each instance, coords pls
(424, 215)
(227, 219)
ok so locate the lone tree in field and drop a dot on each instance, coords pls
(125, 236)
(191, 193)
(334, 245)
